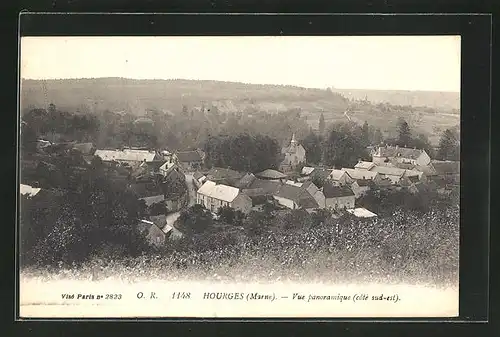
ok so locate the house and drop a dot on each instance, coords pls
(364, 165)
(172, 233)
(356, 174)
(292, 155)
(261, 190)
(361, 187)
(338, 197)
(384, 154)
(224, 176)
(393, 173)
(294, 197)
(214, 196)
(340, 178)
(127, 156)
(246, 181)
(413, 174)
(189, 160)
(152, 231)
(270, 174)
(361, 212)
(198, 179)
(168, 167)
(315, 192)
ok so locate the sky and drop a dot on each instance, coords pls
(430, 63)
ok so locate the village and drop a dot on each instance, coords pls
(168, 182)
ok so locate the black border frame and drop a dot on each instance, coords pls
(476, 32)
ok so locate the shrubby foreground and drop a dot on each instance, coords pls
(408, 247)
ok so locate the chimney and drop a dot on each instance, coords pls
(397, 146)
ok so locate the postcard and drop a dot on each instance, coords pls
(239, 176)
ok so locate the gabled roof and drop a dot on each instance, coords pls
(361, 212)
(189, 156)
(360, 174)
(219, 191)
(270, 174)
(387, 170)
(220, 173)
(28, 190)
(127, 154)
(366, 165)
(331, 191)
(267, 186)
(307, 201)
(336, 174)
(413, 173)
(297, 194)
(245, 181)
(290, 192)
(395, 151)
(307, 170)
(156, 165)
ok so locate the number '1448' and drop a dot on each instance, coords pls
(181, 295)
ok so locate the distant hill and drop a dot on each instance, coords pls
(137, 96)
(432, 99)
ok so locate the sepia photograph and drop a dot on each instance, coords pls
(239, 176)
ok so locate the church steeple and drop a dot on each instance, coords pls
(293, 142)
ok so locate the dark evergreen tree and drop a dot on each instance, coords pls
(321, 124)
(449, 145)
(312, 145)
(404, 136)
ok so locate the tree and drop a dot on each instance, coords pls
(29, 138)
(449, 145)
(312, 145)
(365, 134)
(195, 219)
(242, 152)
(422, 142)
(404, 137)
(231, 216)
(321, 124)
(344, 147)
(378, 137)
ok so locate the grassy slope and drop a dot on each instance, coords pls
(118, 94)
